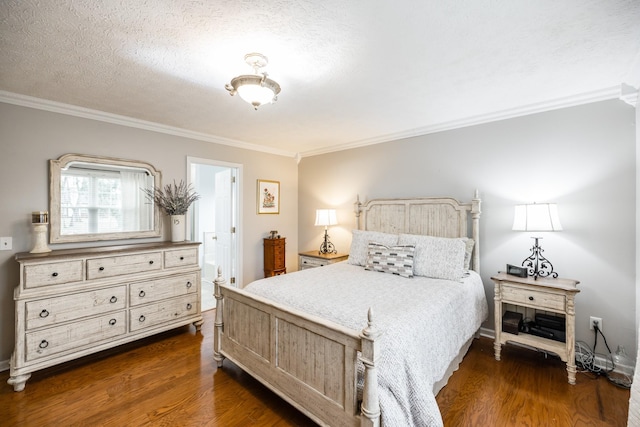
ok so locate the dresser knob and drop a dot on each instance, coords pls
(530, 298)
(101, 269)
(141, 294)
(141, 318)
(189, 306)
(55, 274)
(43, 344)
(188, 285)
(113, 299)
(181, 258)
(150, 262)
(44, 313)
(112, 322)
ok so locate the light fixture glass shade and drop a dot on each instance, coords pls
(326, 217)
(536, 217)
(255, 94)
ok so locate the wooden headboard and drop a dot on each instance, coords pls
(432, 216)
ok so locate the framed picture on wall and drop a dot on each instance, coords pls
(268, 196)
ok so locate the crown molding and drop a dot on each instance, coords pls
(87, 113)
(622, 92)
(571, 101)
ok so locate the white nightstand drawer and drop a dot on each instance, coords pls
(308, 262)
(531, 297)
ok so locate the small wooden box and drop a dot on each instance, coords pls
(511, 322)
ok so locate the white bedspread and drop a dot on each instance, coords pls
(425, 323)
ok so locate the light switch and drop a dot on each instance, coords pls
(6, 243)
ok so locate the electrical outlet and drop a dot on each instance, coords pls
(6, 243)
(595, 321)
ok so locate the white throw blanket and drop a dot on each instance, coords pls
(424, 321)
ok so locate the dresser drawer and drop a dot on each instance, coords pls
(54, 273)
(166, 311)
(73, 336)
(180, 257)
(533, 298)
(309, 262)
(98, 268)
(75, 306)
(162, 288)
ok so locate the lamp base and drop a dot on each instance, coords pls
(327, 247)
(536, 264)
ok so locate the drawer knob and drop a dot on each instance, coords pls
(530, 298)
(181, 258)
(141, 294)
(44, 313)
(150, 262)
(112, 322)
(43, 344)
(55, 274)
(141, 318)
(188, 285)
(189, 306)
(113, 299)
(101, 269)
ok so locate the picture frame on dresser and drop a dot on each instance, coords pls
(268, 196)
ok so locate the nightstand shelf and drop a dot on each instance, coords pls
(313, 259)
(546, 295)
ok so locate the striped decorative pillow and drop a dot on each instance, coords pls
(390, 259)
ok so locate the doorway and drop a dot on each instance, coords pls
(214, 221)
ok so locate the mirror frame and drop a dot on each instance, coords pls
(55, 168)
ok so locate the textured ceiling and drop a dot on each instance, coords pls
(352, 72)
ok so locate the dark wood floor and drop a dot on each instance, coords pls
(171, 380)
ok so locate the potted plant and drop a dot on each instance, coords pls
(174, 200)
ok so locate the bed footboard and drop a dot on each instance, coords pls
(308, 361)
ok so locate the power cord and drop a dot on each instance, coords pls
(586, 358)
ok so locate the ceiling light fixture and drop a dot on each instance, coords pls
(257, 88)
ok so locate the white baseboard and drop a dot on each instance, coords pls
(4, 365)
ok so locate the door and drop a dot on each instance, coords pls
(214, 221)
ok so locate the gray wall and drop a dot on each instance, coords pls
(29, 138)
(582, 158)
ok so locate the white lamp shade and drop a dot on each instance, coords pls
(537, 217)
(326, 217)
(256, 94)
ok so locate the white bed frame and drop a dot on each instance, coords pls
(311, 362)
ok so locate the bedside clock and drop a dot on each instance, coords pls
(517, 271)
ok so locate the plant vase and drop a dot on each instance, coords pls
(178, 228)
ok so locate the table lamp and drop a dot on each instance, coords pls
(326, 217)
(537, 217)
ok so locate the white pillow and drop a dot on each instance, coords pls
(360, 244)
(437, 257)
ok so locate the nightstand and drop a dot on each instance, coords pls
(313, 259)
(546, 295)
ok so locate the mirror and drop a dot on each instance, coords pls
(99, 198)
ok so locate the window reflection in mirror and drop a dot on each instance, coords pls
(97, 198)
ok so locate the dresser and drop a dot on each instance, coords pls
(314, 259)
(74, 302)
(274, 257)
(546, 295)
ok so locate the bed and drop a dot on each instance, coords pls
(349, 346)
